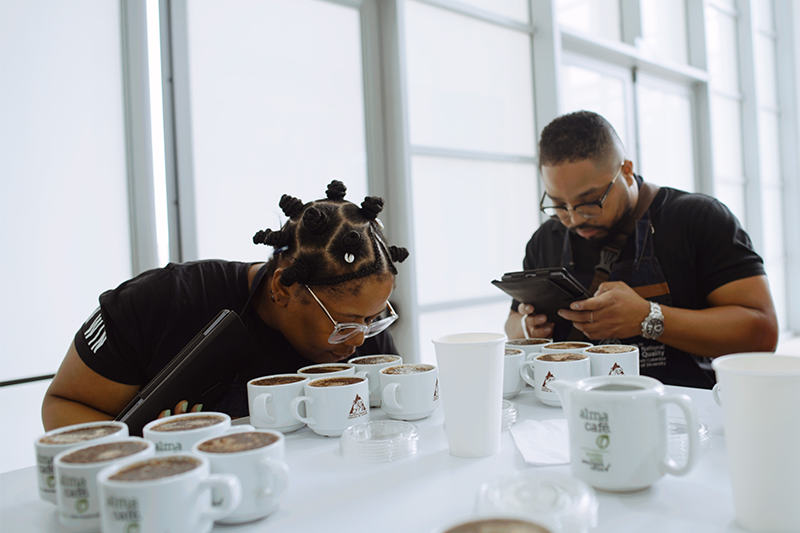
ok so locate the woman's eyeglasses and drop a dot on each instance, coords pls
(343, 332)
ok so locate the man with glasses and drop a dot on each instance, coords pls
(678, 276)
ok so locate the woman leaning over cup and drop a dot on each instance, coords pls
(322, 297)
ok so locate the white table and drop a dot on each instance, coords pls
(329, 494)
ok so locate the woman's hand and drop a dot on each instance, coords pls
(181, 408)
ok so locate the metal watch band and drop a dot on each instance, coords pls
(653, 325)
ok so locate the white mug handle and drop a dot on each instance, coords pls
(715, 394)
(295, 412)
(389, 397)
(525, 374)
(231, 489)
(363, 374)
(260, 407)
(239, 428)
(692, 431)
(275, 474)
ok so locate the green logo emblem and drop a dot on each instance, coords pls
(51, 482)
(82, 505)
(132, 528)
(603, 441)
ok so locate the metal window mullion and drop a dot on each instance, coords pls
(434, 151)
(480, 14)
(630, 21)
(138, 138)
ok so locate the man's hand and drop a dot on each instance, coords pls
(537, 326)
(616, 311)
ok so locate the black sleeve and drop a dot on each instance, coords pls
(120, 337)
(542, 250)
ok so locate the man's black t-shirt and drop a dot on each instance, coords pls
(699, 245)
(142, 324)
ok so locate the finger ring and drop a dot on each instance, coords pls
(591, 317)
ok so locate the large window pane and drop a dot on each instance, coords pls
(768, 148)
(64, 208)
(664, 30)
(776, 272)
(732, 195)
(469, 83)
(513, 9)
(766, 80)
(722, 49)
(490, 318)
(472, 220)
(772, 214)
(597, 18)
(277, 107)
(763, 14)
(601, 92)
(666, 148)
(726, 137)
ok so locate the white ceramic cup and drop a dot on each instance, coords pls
(178, 503)
(759, 391)
(258, 459)
(182, 440)
(494, 524)
(409, 392)
(512, 380)
(618, 436)
(330, 369)
(53, 442)
(371, 365)
(471, 390)
(333, 404)
(614, 359)
(531, 347)
(566, 346)
(539, 373)
(269, 397)
(76, 469)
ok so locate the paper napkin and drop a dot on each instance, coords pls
(544, 442)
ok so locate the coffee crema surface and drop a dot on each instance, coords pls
(558, 357)
(104, 452)
(323, 369)
(79, 435)
(513, 351)
(188, 423)
(611, 349)
(278, 380)
(528, 342)
(156, 468)
(400, 370)
(238, 442)
(568, 345)
(498, 525)
(375, 360)
(335, 381)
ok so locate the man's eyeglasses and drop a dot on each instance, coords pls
(586, 210)
(345, 331)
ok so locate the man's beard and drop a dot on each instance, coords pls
(611, 231)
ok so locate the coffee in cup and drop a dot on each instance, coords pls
(614, 359)
(566, 346)
(548, 367)
(494, 525)
(512, 381)
(188, 423)
(333, 404)
(178, 433)
(268, 400)
(371, 365)
(238, 442)
(409, 392)
(278, 380)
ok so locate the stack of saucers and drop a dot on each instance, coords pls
(379, 441)
(509, 415)
(679, 439)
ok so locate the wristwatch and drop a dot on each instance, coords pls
(653, 325)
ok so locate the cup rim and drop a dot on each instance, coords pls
(58, 459)
(730, 364)
(252, 451)
(648, 385)
(584, 343)
(63, 429)
(354, 361)
(481, 338)
(104, 475)
(539, 355)
(589, 348)
(359, 378)
(431, 369)
(317, 365)
(522, 342)
(153, 423)
(251, 383)
(521, 352)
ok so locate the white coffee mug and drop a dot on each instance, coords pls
(333, 404)
(614, 359)
(57, 440)
(269, 398)
(179, 502)
(531, 347)
(371, 365)
(512, 380)
(409, 392)
(539, 373)
(76, 469)
(618, 435)
(168, 436)
(258, 459)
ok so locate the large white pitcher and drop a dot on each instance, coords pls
(618, 433)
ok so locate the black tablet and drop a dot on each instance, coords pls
(207, 363)
(546, 289)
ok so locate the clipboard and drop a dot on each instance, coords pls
(201, 369)
(546, 289)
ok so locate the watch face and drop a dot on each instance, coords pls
(654, 328)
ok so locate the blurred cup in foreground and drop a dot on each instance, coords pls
(755, 390)
(471, 391)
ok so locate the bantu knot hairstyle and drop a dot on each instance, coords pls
(330, 241)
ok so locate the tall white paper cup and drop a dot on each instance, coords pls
(758, 393)
(471, 391)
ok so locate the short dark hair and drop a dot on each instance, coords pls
(330, 241)
(576, 137)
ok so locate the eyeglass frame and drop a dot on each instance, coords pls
(364, 329)
(569, 210)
